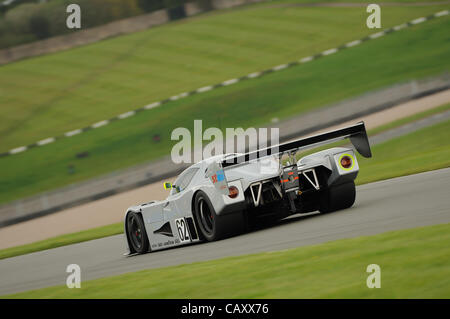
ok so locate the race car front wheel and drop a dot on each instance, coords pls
(136, 234)
(212, 226)
(337, 197)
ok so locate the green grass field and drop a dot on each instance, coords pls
(331, 270)
(417, 52)
(68, 90)
(424, 150)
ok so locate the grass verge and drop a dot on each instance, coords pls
(408, 119)
(63, 240)
(380, 129)
(331, 270)
(424, 150)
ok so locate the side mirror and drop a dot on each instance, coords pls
(167, 185)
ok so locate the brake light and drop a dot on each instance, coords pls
(346, 161)
(233, 192)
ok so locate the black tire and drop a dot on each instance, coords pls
(136, 234)
(212, 226)
(337, 197)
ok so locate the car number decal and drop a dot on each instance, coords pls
(183, 231)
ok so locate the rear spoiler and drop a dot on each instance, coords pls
(356, 133)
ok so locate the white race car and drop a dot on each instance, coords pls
(223, 195)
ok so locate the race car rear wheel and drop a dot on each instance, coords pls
(337, 197)
(136, 234)
(212, 226)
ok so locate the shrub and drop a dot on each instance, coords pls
(28, 21)
(17, 20)
(151, 5)
(40, 26)
(173, 3)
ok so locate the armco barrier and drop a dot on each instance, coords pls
(299, 125)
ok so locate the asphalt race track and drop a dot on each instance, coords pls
(405, 202)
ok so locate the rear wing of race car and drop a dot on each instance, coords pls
(356, 133)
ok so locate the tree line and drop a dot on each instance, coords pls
(25, 21)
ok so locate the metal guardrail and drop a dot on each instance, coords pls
(116, 182)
